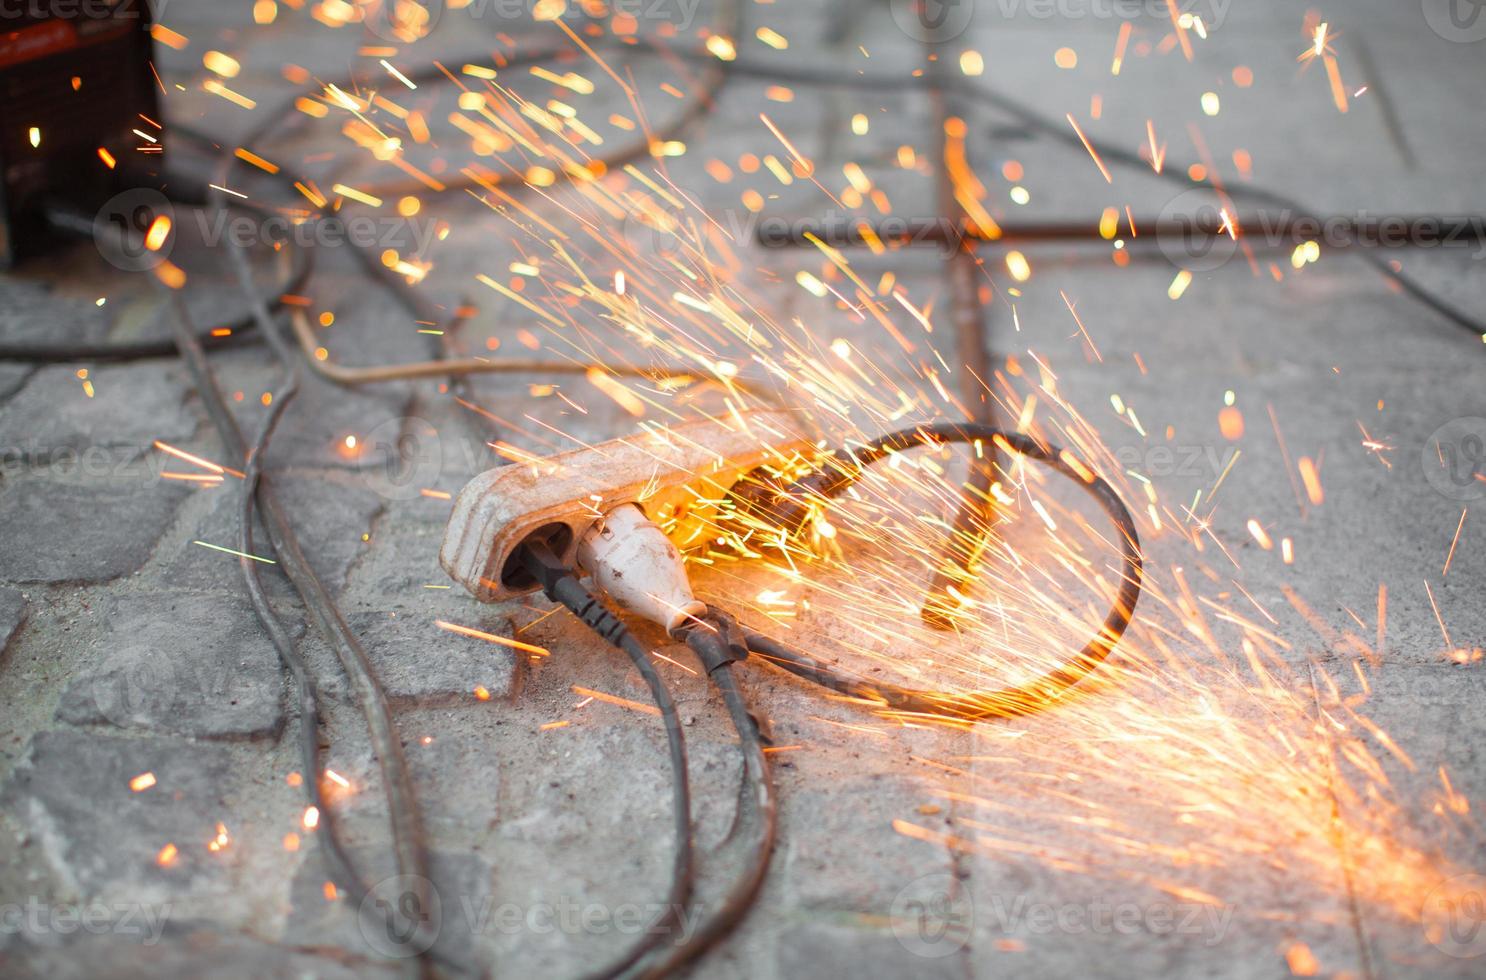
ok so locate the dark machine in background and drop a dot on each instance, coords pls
(75, 85)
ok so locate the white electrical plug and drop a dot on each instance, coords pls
(631, 559)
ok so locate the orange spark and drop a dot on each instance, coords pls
(490, 637)
(1085, 140)
(616, 700)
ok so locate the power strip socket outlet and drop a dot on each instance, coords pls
(679, 476)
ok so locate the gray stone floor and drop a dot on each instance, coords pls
(1181, 818)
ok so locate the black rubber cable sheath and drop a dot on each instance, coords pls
(321, 608)
(240, 330)
(759, 780)
(561, 585)
(789, 507)
(403, 817)
(341, 872)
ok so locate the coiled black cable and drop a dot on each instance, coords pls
(237, 331)
(789, 507)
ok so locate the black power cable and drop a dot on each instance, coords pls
(682, 871)
(237, 331)
(717, 645)
(561, 585)
(407, 837)
(402, 811)
(403, 815)
(409, 848)
(789, 507)
(417, 930)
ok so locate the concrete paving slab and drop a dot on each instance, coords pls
(198, 953)
(87, 541)
(107, 840)
(1092, 840)
(181, 665)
